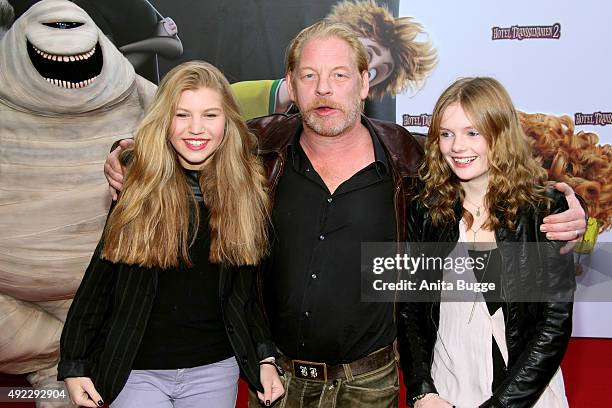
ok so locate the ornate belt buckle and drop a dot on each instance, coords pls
(309, 370)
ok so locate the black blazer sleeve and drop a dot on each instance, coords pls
(86, 317)
(253, 312)
(542, 356)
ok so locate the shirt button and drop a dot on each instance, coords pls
(321, 237)
(302, 344)
(329, 200)
(313, 276)
(306, 314)
(230, 329)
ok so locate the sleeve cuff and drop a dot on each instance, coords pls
(266, 350)
(73, 368)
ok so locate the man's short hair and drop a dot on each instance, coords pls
(326, 29)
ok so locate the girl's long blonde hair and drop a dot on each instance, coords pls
(156, 218)
(515, 176)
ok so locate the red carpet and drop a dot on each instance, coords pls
(587, 370)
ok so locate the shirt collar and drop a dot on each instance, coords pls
(380, 158)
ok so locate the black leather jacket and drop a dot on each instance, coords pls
(537, 334)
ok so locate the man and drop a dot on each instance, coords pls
(338, 179)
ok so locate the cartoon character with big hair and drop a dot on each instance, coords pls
(399, 59)
(67, 93)
(576, 158)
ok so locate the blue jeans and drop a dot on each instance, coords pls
(376, 389)
(211, 385)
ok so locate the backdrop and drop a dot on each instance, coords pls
(554, 58)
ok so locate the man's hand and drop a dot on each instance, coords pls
(82, 392)
(272, 385)
(432, 401)
(568, 225)
(113, 169)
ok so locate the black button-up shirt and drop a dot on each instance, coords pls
(313, 285)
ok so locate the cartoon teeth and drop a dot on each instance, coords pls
(66, 58)
(70, 85)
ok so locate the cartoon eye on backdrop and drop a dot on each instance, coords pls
(380, 61)
(136, 28)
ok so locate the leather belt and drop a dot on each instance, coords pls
(315, 371)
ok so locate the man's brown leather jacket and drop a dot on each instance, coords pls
(404, 152)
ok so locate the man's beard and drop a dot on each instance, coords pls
(331, 126)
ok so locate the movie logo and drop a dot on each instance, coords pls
(423, 120)
(517, 32)
(595, 118)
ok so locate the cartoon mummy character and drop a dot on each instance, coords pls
(66, 95)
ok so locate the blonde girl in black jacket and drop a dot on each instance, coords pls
(166, 312)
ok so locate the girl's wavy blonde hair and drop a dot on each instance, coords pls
(155, 220)
(515, 176)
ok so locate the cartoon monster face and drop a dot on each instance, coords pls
(63, 47)
(57, 51)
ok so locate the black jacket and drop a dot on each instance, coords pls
(110, 311)
(537, 334)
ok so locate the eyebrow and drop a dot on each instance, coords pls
(464, 128)
(205, 110)
(333, 69)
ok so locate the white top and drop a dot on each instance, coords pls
(462, 367)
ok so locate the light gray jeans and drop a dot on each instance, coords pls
(212, 385)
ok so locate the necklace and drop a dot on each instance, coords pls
(477, 206)
(475, 231)
(484, 272)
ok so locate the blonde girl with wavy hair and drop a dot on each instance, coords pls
(166, 312)
(514, 177)
(484, 192)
